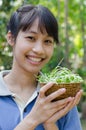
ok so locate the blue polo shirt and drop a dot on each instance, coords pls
(11, 114)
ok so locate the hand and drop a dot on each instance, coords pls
(44, 109)
(73, 102)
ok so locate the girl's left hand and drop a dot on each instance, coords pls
(75, 100)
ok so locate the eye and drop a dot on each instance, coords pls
(30, 38)
(48, 41)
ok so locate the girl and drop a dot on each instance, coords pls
(32, 31)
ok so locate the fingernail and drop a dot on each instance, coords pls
(63, 89)
(70, 98)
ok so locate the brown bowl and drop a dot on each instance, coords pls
(71, 90)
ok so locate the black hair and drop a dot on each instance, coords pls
(23, 18)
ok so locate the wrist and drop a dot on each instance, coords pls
(30, 121)
(26, 124)
(50, 126)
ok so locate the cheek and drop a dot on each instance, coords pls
(50, 52)
(18, 52)
(22, 48)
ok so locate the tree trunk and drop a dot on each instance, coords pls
(66, 57)
(83, 24)
(58, 14)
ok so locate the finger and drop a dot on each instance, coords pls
(73, 101)
(62, 112)
(61, 102)
(78, 97)
(45, 88)
(55, 94)
(57, 109)
(69, 106)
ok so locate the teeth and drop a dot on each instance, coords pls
(35, 59)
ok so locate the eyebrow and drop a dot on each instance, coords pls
(34, 32)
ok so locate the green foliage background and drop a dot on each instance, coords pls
(71, 16)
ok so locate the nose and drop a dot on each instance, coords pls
(38, 48)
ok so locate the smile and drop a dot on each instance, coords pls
(34, 60)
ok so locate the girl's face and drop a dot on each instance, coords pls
(32, 49)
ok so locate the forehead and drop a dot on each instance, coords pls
(36, 28)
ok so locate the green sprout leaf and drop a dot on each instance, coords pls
(60, 75)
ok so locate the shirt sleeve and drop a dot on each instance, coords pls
(70, 121)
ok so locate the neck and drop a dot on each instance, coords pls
(21, 79)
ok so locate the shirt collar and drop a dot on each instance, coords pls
(4, 91)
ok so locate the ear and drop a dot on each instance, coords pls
(10, 38)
